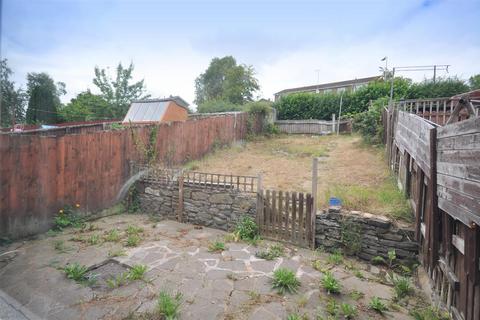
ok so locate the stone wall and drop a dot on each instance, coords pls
(364, 235)
(216, 208)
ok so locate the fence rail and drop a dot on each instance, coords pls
(312, 126)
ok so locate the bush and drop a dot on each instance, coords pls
(330, 284)
(212, 106)
(369, 123)
(284, 280)
(247, 228)
(76, 272)
(377, 305)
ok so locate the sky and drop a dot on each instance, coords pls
(289, 43)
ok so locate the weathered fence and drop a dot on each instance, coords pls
(312, 126)
(286, 216)
(41, 174)
(439, 169)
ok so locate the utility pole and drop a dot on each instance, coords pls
(318, 80)
(434, 73)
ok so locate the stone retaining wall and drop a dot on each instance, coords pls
(364, 235)
(216, 208)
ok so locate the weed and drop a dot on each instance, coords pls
(284, 280)
(332, 307)
(67, 217)
(60, 246)
(392, 256)
(137, 272)
(113, 236)
(356, 295)
(348, 311)
(377, 260)
(402, 286)
(76, 272)
(359, 274)
(254, 296)
(216, 246)
(133, 230)
(330, 284)
(117, 253)
(132, 240)
(246, 228)
(271, 253)
(335, 258)
(302, 301)
(133, 200)
(317, 265)
(377, 305)
(296, 316)
(118, 281)
(429, 313)
(169, 305)
(94, 239)
(232, 237)
(351, 237)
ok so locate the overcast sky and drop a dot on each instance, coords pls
(172, 42)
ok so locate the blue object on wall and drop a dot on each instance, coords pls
(335, 202)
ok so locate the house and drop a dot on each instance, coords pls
(347, 85)
(157, 110)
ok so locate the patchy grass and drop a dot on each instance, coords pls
(118, 281)
(137, 272)
(169, 305)
(132, 240)
(355, 173)
(330, 283)
(117, 253)
(271, 253)
(76, 272)
(60, 246)
(216, 246)
(377, 305)
(113, 236)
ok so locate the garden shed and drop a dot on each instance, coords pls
(157, 110)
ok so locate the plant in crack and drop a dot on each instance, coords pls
(216, 246)
(330, 283)
(285, 280)
(169, 305)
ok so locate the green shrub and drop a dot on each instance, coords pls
(137, 272)
(76, 272)
(429, 313)
(335, 258)
(212, 106)
(378, 260)
(377, 305)
(113, 236)
(68, 217)
(247, 228)
(330, 284)
(132, 240)
(332, 307)
(169, 305)
(117, 281)
(284, 280)
(402, 286)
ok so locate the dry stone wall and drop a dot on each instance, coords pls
(216, 208)
(364, 235)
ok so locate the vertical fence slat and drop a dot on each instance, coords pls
(267, 213)
(294, 214)
(301, 205)
(280, 215)
(286, 234)
(274, 213)
(308, 220)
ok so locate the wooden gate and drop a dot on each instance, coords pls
(286, 216)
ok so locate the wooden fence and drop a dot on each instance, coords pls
(438, 168)
(286, 216)
(312, 126)
(41, 174)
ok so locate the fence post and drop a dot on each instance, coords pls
(314, 199)
(333, 123)
(180, 198)
(259, 210)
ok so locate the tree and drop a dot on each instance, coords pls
(44, 98)
(119, 93)
(225, 80)
(474, 82)
(12, 102)
(87, 106)
(441, 88)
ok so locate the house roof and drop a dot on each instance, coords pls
(330, 85)
(151, 110)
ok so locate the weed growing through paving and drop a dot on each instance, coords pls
(133, 230)
(317, 265)
(332, 307)
(132, 240)
(392, 256)
(60, 246)
(330, 283)
(356, 295)
(247, 229)
(68, 217)
(118, 281)
(284, 280)
(271, 253)
(94, 239)
(377, 305)
(169, 305)
(254, 296)
(137, 272)
(76, 272)
(402, 286)
(429, 313)
(112, 236)
(296, 316)
(216, 246)
(117, 253)
(348, 311)
(335, 258)
(377, 260)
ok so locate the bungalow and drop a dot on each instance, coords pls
(157, 110)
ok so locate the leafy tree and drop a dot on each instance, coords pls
(44, 98)
(225, 80)
(120, 92)
(12, 104)
(474, 82)
(211, 106)
(87, 106)
(441, 88)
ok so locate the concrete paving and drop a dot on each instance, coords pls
(233, 284)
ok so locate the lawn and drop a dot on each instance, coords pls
(348, 169)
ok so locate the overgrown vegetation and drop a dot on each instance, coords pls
(76, 272)
(377, 305)
(351, 237)
(68, 217)
(137, 272)
(429, 313)
(247, 229)
(285, 281)
(273, 252)
(330, 283)
(216, 246)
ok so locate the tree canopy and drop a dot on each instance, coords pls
(12, 99)
(474, 82)
(119, 92)
(225, 80)
(44, 98)
(87, 106)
